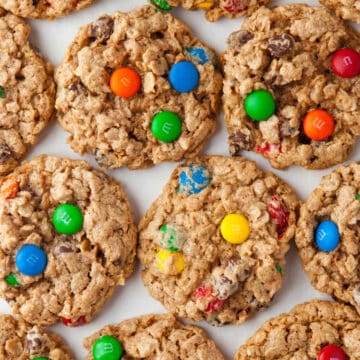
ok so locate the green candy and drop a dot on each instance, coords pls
(259, 105)
(67, 219)
(357, 196)
(160, 5)
(40, 358)
(12, 280)
(278, 269)
(2, 92)
(166, 126)
(172, 238)
(107, 348)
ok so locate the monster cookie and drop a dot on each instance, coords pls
(21, 341)
(346, 9)
(214, 243)
(315, 330)
(151, 337)
(292, 87)
(214, 9)
(328, 233)
(27, 92)
(48, 9)
(136, 89)
(67, 239)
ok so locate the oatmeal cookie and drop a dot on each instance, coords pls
(346, 9)
(67, 239)
(27, 91)
(292, 87)
(153, 337)
(328, 234)
(214, 243)
(136, 89)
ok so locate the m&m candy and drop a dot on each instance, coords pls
(183, 76)
(125, 82)
(332, 352)
(160, 5)
(171, 263)
(259, 105)
(9, 188)
(107, 348)
(327, 236)
(31, 260)
(40, 358)
(201, 56)
(12, 280)
(346, 63)
(166, 126)
(78, 322)
(235, 228)
(318, 124)
(233, 6)
(172, 238)
(205, 5)
(67, 219)
(193, 179)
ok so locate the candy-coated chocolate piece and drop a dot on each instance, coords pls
(166, 126)
(172, 238)
(193, 179)
(184, 77)
(125, 82)
(201, 56)
(279, 214)
(327, 236)
(318, 124)
(67, 219)
(12, 280)
(169, 262)
(68, 322)
(107, 348)
(233, 6)
(235, 228)
(160, 5)
(31, 260)
(259, 105)
(205, 5)
(332, 352)
(9, 187)
(346, 63)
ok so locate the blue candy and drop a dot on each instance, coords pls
(184, 76)
(201, 56)
(327, 236)
(31, 260)
(194, 179)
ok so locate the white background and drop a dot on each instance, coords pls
(133, 299)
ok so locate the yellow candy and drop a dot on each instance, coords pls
(205, 5)
(235, 228)
(169, 262)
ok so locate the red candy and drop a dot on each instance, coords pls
(214, 304)
(346, 63)
(68, 322)
(234, 6)
(268, 148)
(332, 352)
(279, 214)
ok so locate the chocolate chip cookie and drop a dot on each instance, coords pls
(346, 9)
(328, 233)
(21, 341)
(152, 337)
(314, 330)
(214, 243)
(136, 89)
(292, 87)
(67, 240)
(27, 91)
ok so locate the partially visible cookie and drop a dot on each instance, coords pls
(314, 330)
(328, 234)
(152, 337)
(346, 9)
(136, 89)
(44, 9)
(27, 91)
(214, 242)
(21, 341)
(292, 87)
(67, 240)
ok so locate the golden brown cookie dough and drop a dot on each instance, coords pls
(337, 198)
(203, 276)
(287, 51)
(83, 269)
(346, 9)
(304, 332)
(27, 92)
(158, 337)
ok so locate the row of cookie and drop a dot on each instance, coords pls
(136, 89)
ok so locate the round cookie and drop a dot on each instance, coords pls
(49, 268)
(44, 9)
(284, 52)
(21, 341)
(333, 266)
(120, 131)
(156, 337)
(27, 92)
(314, 330)
(346, 9)
(190, 267)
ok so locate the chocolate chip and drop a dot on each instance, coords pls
(33, 341)
(35, 2)
(279, 45)
(102, 28)
(242, 141)
(239, 38)
(100, 158)
(75, 87)
(5, 153)
(65, 249)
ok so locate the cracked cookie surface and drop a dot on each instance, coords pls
(117, 130)
(287, 51)
(337, 198)
(203, 276)
(83, 269)
(27, 92)
(346, 9)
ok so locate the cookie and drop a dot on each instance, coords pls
(328, 232)
(27, 92)
(152, 337)
(21, 341)
(346, 9)
(44, 9)
(313, 330)
(292, 87)
(67, 240)
(116, 90)
(214, 9)
(214, 242)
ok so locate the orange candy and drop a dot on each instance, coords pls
(318, 124)
(9, 188)
(125, 82)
